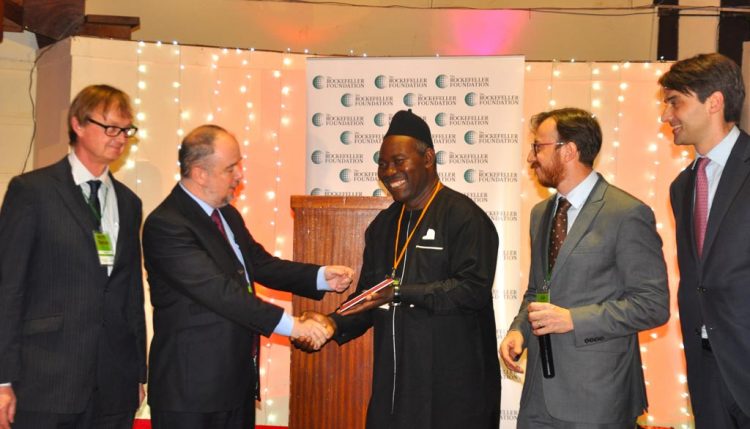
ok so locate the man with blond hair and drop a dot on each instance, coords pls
(72, 328)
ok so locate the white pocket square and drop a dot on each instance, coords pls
(430, 235)
(429, 247)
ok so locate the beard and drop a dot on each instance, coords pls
(549, 176)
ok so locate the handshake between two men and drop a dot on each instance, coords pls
(327, 325)
(316, 330)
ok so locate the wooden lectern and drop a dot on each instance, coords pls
(330, 389)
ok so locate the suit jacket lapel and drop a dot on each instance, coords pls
(209, 233)
(74, 200)
(235, 222)
(125, 213)
(582, 223)
(72, 196)
(734, 175)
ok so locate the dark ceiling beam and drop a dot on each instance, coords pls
(53, 20)
(734, 30)
(669, 31)
(11, 17)
(115, 27)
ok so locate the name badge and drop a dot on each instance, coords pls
(104, 248)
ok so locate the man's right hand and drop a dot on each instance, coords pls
(307, 344)
(511, 349)
(311, 330)
(7, 406)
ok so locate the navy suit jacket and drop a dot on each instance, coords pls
(206, 320)
(715, 289)
(66, 326)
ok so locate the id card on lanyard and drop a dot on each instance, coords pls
(104, 249)
(102, 239)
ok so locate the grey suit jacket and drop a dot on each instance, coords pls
(610, 274)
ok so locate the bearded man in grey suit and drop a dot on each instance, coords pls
(607, 280)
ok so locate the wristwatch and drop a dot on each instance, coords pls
(396, 293)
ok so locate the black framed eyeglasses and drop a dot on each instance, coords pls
(114, 130)
(535, 146)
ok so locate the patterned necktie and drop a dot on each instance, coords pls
(559, 230)
(700, 208)
(217, 220)
(93, 200)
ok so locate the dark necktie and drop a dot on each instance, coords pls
(700, 208)
(559, 230)
(256, 339)
(217, 220)
(93, 200)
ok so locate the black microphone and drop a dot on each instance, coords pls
(548, 364)
(545, 344)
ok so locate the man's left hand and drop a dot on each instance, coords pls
(338, 277)
(546, 318)
(374, 300)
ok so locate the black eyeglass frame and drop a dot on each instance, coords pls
(114, 130)
(535, 146)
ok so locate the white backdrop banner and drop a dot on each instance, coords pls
(473, 106)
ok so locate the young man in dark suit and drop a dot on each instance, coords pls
(703, 98)
(72, 328)
(202, 263)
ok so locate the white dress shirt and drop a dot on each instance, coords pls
(110, 216)
(577, 197)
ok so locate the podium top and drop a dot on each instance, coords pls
(339, 202)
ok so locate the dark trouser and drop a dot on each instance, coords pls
(534, 414)
(90, 418)
(239, 418)
(717, 408)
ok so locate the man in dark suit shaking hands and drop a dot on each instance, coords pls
(202, 263)
(72, 329)
(703, 98)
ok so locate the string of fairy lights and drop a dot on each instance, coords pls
(232, 99)
(219, 105)
(657, 165)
